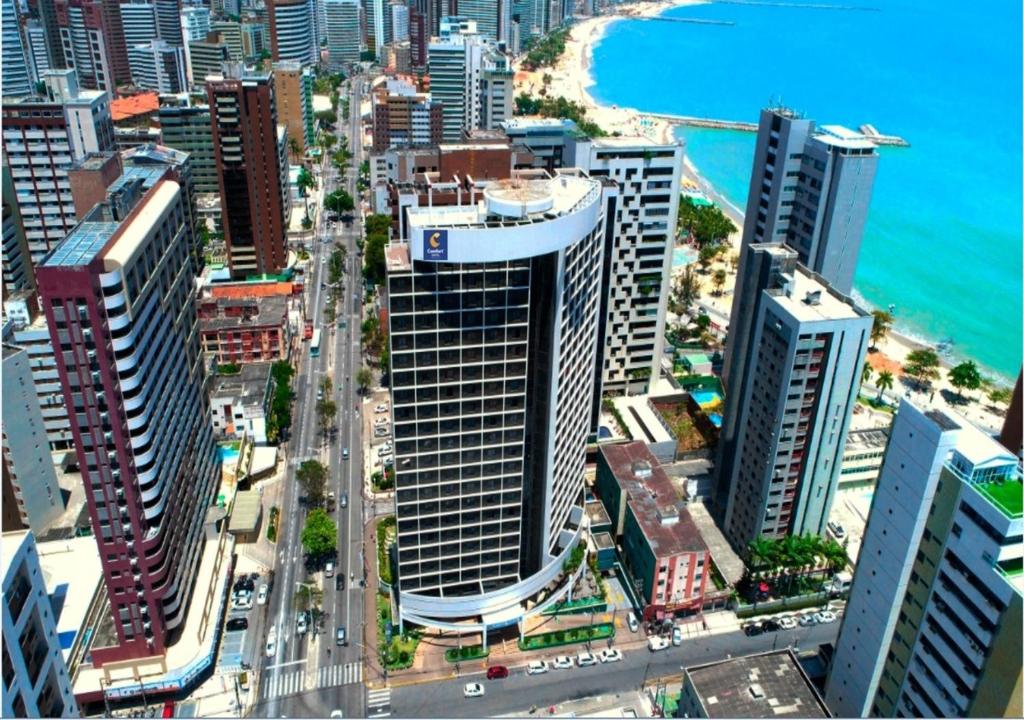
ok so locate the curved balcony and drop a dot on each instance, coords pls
(116, 321)
(110, 279)
(126, 363)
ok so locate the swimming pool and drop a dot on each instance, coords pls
(706, 398)
(716, 419)
(227, 453)
(684, 255)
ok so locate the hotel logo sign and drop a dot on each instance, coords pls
(435, 245)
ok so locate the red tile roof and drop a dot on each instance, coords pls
(127, 107)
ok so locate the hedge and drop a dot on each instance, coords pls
(470, 652)
(556, 638)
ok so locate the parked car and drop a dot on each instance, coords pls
(787, 623)
(473, 690)
(329, 568)
(271, 646)
(562, 662)
(806, 620)
(262, 595)
(585, 659)
(610, 655)
(339, 582)
(339, 637)
(656, 643)
(301, 623)
(243, 602)
(237, 623)
(381, 421)
(677, 635)
(497, 672)
(382, 408)
(537, 667)
(825, 617)
(632, 622)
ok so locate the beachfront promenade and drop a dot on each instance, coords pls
(868, 131)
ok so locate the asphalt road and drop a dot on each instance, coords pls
(519, 691)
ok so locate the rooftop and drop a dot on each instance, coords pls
(843, 137)
(249, 385)
(72, 572)
(245, 512)
(525, 123)
(641, 420)
(1007, 495)
(867, 439)
(270, 311)
(654, 500)
(808, 298)
(128, 107)
(81, 245)
(771, 684)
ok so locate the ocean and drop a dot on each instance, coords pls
(943, 240)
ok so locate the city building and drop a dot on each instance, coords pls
(236, 331)
(36, 48)
(771, 684)
(932, 627)
(293, 86)
(92, 35)
(789, 422)
(552, 140)
(42, 137)
(404, 118)
(639, 241)
(810, 188)
(32, 334)
(490, 459)
(291, 31)
(27, 466)
(398, 58)
(158, 66)
(135, 116)
(377, 25)
(17, 262)
(344, 36)
(120, 291)
(185, 125)
(484, 13)
(1012, 433)
(862, 457)
(47, 12)
(36, 682)
(17, 76)
(239, 403)
(207, 57)
(168, 22)
(230, 32)
(195, 23)
(252, 173)
(662, 548)
(138, 23)
(256, 38)
(399, 22)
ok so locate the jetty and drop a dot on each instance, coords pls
(802, 6)
(691, 21)
(867, 130)
(878, 138)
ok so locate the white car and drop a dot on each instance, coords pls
(387, 459)
(473, 690)
(382, 408)
(807, 620)
(384, 450)
(380, 422)
(610, 655)
(337, 714)
(634, 626)
(825, 617)
(677, 635)
(537, 667)
(787, 623)
(301, 625)
(585, 659)
(242, 602)
(656, 643)
(271, 643)
(261, 597)
(562, 662)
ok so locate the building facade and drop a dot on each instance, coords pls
(253, 183)
(92, 34)
(158, 66)
(491, 329)
(239, 403)
(185, 125)
(344, 36)
(119, 292)
(17, 261)
(291, 31)
(32, 334)
(932, 627)
(241, 331)
(293, 86)
(36, 682)
(404, 118)
(207, 57)
(17, 76)
(138, 22)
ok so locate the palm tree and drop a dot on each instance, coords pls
(880, 327)
(718, 280)
(866, 373)
(883, 383)
(294, 147)
(762, 554)
(835, 555)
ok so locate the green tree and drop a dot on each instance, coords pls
(326, 117)
(320, 535)
(327, 141)
(866, 372)
(305, 181)
(374, 267)
(339, 201)
(326, 411)
(707, 256)
(312, 478)
(922, 365)
(965, 376)
(364, 378)
(999, 395)
(880, 326)
(884, 382)
(294, 148)
(308, 596)
(836, 557)
(685, 291)
(718, 280)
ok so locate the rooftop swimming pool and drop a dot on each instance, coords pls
(227, 454)
(716, 419)
(706, 398)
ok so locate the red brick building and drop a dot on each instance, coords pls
(245, 330)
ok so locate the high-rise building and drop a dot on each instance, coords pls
(792, 413)
(404, 118)
(36, 48)
(27, 465)
(255, 38)
(810, 188)
(138, 22)
(158, 66)
(243, 114)
(293, 86)
(639, 240)
(185, 125)
(17, 262)
(32, 334)
(419, 38)
(92, 34)
(399, 22)
(377, 20)
(484, 13)
(120, 291)
(47, 10)
(292, 32)
(206, 58)
(344, 37)
(195, 23)
(1012, 433)
(17, 80)
(230, 33)
(932, 627)
(42, 137)
(168, 21)
(490, 489)
(36, 681)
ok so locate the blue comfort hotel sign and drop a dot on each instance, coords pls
(435, 245)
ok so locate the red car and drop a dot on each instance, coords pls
(168, 709)
(497, 672)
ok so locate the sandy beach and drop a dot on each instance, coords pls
(571, 77)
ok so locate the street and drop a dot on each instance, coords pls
(308, 675)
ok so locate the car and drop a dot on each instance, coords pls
(168, 711)
(384, 450)
(339, 637)
(657, 643)
(610, 655)
(634, 626)
(301, 623)
(677, 635)
(344, 454)
(825, 617)
(329, 567)
(271, 646)
(339, 582)
(344, 500)
(242, 603)
(771, 626)
(752, 630)
(382, 408)
(337, 714)
(585, 659)
(323, 260)
(262, 595)
(381, 421)
(806, 620)
(387, 459)
(319, 394)
(237, 623)
(787, 623)
(381, 431)
(537, 667)
(473, 690)
(497, 672)
(562, 662)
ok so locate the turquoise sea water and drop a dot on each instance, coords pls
(943, 241)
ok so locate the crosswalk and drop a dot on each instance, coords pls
(378, 703)
(290, 683)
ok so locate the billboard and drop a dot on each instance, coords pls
(435, 245)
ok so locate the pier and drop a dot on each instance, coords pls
(802, 6)
(868, 131)
(691, 21)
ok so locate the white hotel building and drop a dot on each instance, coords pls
(493, 311)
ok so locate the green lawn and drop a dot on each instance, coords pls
(469, 652)
(556, 638)
(1008, 496)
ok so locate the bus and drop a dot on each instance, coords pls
(314, 344)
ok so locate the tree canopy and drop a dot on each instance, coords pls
(965, 376)
(377, 228)
(546, 50)
(312, 478)
(320, 535)
(339, 201)
(559, 107)
(880, 326)
(923, 365)
(706, 224)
